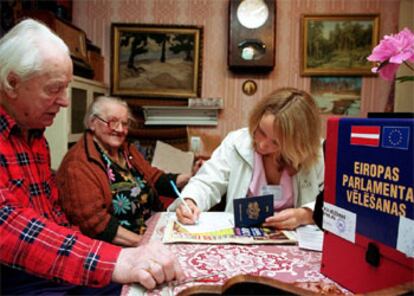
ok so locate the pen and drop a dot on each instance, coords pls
(180, 196)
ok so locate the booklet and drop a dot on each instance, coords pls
(252, 211)
(218, 228)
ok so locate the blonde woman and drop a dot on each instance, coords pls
(279, 153)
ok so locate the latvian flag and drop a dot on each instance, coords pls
(365, 135)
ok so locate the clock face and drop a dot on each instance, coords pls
(252, 14)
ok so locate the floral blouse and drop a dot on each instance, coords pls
(132, 198)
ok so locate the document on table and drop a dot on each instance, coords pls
(211, 221)
(310, 237)
(218, 228)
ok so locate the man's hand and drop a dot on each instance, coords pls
(186, 217)
(150, 265)
(289, 219)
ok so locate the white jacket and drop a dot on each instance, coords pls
(230, 170)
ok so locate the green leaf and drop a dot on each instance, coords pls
(404, 78)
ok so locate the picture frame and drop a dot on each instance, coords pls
(337, 95)
(338, 44)
(156, 60)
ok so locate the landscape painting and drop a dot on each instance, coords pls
(337, 95)
(338, 44)
(156, 60)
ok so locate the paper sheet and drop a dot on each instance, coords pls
(405, 240)
(171, 159)
(211, 221)
(310, 237)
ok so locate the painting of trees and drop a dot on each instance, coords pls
(157, 59)
(338, 44)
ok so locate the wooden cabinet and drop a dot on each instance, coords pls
(74, 37)
(68, 125)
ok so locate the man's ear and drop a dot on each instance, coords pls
(13, 80)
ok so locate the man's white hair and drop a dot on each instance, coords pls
(21, 50)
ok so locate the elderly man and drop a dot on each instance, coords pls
(38, 252)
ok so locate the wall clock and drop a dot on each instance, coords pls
(251, 46)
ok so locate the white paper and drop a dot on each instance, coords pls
(210, 221)
(405, 240)
(310, 237)
(339, 221)
(171, 159)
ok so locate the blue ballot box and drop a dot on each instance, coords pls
(369, 203)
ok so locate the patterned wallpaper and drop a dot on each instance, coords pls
(96, 16)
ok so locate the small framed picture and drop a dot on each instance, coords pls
(337, 95)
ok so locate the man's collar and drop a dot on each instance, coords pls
(9, 125)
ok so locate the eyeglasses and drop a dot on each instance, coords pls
(114, 124)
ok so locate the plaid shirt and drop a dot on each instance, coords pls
(33, 236)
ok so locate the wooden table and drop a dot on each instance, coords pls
(287, 264)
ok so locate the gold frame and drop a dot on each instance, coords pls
(343, 57)
(153, 75)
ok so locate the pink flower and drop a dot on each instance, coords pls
(110, 173)
(391, 52)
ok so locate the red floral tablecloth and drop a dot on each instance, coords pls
(285, 263)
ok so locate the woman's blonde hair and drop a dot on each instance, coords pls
(298, 122)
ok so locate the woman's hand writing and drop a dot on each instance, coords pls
(186, 217)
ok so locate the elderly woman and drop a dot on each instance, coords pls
(280, 153)
(106, 187)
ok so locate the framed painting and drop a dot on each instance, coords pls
(338, 44)
(338, 95)
(156, 60)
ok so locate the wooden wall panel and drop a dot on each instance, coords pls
(95, 17)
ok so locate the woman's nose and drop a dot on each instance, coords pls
(119, 128)
(262, 145)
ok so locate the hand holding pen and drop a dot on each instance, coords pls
(187, 212)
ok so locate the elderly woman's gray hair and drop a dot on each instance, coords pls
(21, 50)
(99, 104)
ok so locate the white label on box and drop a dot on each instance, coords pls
(339, 221)
(405, 240)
